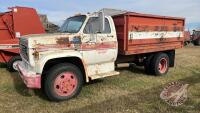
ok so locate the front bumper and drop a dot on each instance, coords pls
(31, 80)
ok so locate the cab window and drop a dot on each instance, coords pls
(92, 26)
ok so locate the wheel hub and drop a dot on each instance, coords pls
(163, 65)
(65, 84)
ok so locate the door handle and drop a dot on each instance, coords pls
(110, 36)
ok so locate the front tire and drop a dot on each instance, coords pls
(63, 81)
(160, 64)
(12, 63)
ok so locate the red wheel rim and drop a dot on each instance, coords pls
(163, 65)
(65, 84)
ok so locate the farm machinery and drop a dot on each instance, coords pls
(15, 23)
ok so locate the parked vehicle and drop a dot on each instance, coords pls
(92, 44)
(193, 38)
(196, 37)
(17, 22)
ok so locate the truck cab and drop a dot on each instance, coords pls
(82, 45)
(89, 46)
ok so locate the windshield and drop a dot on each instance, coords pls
(73, 24)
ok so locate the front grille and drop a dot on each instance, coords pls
(24, 51)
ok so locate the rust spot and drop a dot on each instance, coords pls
(63, 40)
(137, 28)
(156, 28)
(78, 36)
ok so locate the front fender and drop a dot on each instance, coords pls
(46, 56)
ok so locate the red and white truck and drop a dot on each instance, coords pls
(91, 45)
(18, 21)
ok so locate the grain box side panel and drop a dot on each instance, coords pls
(151, 34)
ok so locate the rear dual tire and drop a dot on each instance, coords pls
(157, 65)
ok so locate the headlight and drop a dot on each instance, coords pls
(35, 54)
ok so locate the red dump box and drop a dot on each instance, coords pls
(17, 22)
(143, 33)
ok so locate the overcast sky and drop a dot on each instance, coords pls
(58, 10)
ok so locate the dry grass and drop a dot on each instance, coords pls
(130, 92)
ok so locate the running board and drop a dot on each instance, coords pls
(92, 77)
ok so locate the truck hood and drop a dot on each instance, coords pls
(49, 40)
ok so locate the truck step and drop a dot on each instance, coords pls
(92, 77)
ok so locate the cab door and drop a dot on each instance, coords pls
(106, 44)
(103, 44)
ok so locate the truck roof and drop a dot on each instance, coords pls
(117, 12)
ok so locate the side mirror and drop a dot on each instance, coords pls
(101, 21)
